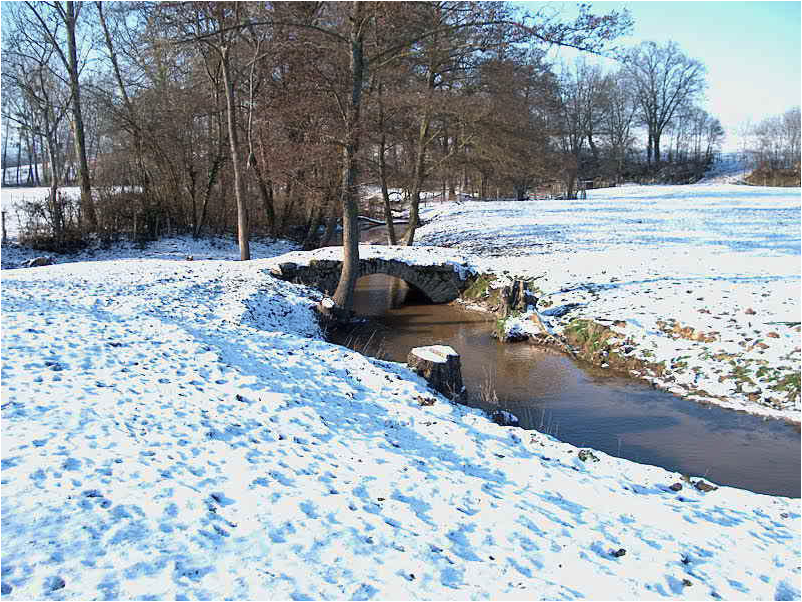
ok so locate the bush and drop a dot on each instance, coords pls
(53, 226)
(768, 176)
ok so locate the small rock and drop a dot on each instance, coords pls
(773, 335)
(586, 454)
(686, 583)
(504, 418)
(703, 486)
(426, 401)
(750, 312)
(39, 261)
(618, 553)
(189, 258)
(676, 487)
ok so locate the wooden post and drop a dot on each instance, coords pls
(5, 237)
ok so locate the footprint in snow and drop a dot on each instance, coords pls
(364, 592)
(309, 508)
(53, 584)
(281, 478)
(221, 498)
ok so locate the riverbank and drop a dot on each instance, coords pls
(696, 287)
(177, 428)
(585, 406)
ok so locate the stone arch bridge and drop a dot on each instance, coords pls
(439, 274)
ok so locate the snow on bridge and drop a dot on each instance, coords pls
(441, 274)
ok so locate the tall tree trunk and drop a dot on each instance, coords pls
(35, 164)
(388, 213)
(656, 144)
(58, 218)
(593, 149)
(286, 207)
(266, 194)
(210, 181)
(344, 295)
(19, 154)
(419, 167)
(233, 138)
(571, 184)
(29, 151)
(314, 224)
(331, 223)
(5, 153)
(87, 205)
(132, 117)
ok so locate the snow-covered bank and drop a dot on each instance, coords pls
(703, 279)
(177, 429)
(14, 255)
(178, 248)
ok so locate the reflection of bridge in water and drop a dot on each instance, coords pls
(442, 278)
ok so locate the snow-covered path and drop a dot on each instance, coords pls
(703, 279)
(178, 430)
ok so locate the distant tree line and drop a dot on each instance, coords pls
(772, 147)
(227, 117)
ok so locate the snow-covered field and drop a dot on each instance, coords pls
(177, 429)
(704, 279)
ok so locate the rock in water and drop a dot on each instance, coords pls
(440, 366)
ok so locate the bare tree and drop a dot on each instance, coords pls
(582, 110)
(512, 136)
(775, 141)
(619, 120)
(664, 78)
(48, 18)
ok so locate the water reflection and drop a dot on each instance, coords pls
(582, 405)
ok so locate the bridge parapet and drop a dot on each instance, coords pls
(439, 280)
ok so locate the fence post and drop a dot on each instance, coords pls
(5, 237)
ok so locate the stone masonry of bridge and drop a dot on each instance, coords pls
(441, 282)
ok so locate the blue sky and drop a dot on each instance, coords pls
(751, 50)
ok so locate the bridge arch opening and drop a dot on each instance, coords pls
(376, 293)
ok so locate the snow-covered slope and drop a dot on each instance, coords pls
(178, 430)
(704, 279)
(730, 168)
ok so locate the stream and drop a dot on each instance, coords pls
(579, 403)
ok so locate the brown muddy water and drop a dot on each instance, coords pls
(578, 403)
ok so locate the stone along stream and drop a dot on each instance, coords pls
(580, 404)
